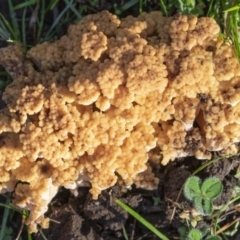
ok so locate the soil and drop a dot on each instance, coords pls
(75, 216)
(80, 217)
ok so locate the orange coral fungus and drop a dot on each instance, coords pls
(108, 97)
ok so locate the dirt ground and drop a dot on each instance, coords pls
(79, 217)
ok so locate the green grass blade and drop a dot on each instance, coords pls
(3, 30)
(141, 220)
(75, 11)
(125, 233)
(14, 20)
(163, 8)
(29, 236)
(233, 32)
(10, 207)
(4, 219)
(4, 34)
(41, 22)
(213, 161)
(128, 5)
(232, 9)
(56, 22)
(210, 11)
(51, 5)
(25, 4)
(24, 39)
(8, 25)
(140, 6)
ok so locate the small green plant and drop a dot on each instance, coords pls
(196, 234)
(190, 7)
(202, 194)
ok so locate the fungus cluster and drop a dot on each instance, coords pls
(110, 96)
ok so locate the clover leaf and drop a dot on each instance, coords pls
(202, 194)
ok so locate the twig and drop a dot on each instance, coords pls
(55, 221)
(236, 208)
(176, 204)
(228, 225)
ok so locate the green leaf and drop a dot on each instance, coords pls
(237, 175)
(203, 205)
(212, 188)
(194, 234)
(198, 203)
(193, 222)
(192, 188)
(183, 231)
(207, 206)
(204, 230)
(237, 7)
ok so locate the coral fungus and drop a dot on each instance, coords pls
(102, 101)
